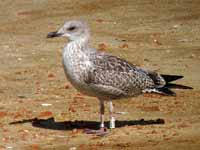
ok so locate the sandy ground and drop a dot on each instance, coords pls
(39, 108)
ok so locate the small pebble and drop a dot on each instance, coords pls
(42, 59)
(46, 104)
(157, 42)
(72, 148)
(121, 113)
(176, 26)
(19, 58)
(9, 147)
(6, 46)
(192, 56)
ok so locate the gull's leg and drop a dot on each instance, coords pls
(102, 109)
(102, 131)
(112, 118)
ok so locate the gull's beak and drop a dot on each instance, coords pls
(53, 34)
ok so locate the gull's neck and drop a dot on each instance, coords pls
(79, 44)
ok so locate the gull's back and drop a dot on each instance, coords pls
(114, 78)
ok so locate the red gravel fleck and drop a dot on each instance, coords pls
(24, 13)
(154, 132)
(23, 136)
(102, 47)
(37, 87)
(71, 109)
(124, 45)
(25, 111)
(86, 109)
(51, 76)
(2, 147)
(37, 82)
(1, 125)
(6, 139)
(45, 114)
(66, 86)
(175, 134)
(18, 73)
(183, 125)
(138, 127)
(81, 146)
(75, 102)
(150, 108)
(99, 20)
(34, 147)
(167, 138)
(152, 95)
(5, 130)
(17, 115)
(20, 101)
(3, 114)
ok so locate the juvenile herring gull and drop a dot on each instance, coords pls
(103, 75)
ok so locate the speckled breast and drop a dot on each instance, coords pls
(76, 68)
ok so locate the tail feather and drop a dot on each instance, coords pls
(166, 88)
(165, 91)
(177, 86)
(170, 78)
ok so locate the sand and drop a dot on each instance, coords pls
(49, 114)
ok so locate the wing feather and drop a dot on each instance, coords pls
(114, 75)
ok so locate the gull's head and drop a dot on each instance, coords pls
(73, 30)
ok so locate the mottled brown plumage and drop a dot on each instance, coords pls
(115, 78)
(105, 76)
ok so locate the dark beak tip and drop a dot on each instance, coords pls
(53, 34)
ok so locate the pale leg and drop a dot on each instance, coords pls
(102, 131)
(112, 118)
(102, 108)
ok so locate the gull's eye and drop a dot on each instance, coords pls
(72, 28)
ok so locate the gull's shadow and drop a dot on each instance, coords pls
(70, 125)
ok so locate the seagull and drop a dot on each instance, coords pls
(105, 76)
